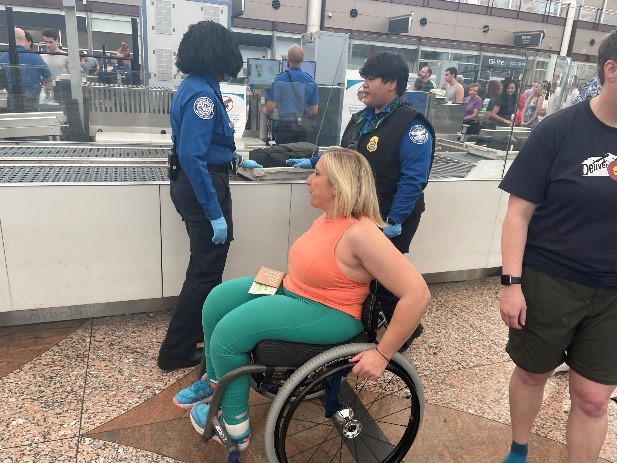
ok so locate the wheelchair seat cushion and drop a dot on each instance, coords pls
(294, 354)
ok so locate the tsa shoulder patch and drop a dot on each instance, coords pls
(204, 107)
(418, 134)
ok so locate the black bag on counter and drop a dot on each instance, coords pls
(277, 155)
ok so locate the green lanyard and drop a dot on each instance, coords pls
(373, 124)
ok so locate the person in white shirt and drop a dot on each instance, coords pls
(554, 96)
(58, 64)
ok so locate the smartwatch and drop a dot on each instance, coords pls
(508, 280)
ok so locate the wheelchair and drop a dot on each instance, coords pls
(322, 412)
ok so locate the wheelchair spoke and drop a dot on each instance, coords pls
(375, 422)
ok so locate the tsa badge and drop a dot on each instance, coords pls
(372, 144)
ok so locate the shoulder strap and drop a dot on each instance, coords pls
(293, 89)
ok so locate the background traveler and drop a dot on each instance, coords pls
(559, 297)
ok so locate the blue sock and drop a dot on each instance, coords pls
(518, 454)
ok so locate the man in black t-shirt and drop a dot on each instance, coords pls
(559, 261)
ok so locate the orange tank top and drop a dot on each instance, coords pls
(314, 273)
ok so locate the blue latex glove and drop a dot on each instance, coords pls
(392, 231)
(300, 163)
(219, 226)
(250, 164)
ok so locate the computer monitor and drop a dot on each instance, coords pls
(307, 66)
(260, 72)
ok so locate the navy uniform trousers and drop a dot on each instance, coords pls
(206, 264)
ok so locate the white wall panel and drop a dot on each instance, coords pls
(302, 213)
(261, 229)
(456, 231)
(70, 245)
(5, 295)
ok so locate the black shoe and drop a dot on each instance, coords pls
(175, 363)
(416, 334)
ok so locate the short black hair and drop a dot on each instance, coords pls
(208, 48)
(607, 51)
(453, 71)
(53, 33)
(390, 67)
(29, 38)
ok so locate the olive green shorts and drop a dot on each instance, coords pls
(568, 322)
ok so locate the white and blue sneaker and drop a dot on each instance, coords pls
(199, 414)
(200, 392)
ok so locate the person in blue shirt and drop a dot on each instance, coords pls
(32, 72)
(295, 95)
(399, 144)
(203, 138)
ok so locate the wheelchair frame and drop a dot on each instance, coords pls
(326, 390)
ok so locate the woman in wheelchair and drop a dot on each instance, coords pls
(320, 300)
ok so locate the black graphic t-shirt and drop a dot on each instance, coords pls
(568, 167)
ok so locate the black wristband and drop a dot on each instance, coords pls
(379, 352)
(508, 280)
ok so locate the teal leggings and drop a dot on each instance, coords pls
(234, 321)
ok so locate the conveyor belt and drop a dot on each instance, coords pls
(85, 174)
(448, 167)
(53, 171)
(82, 151)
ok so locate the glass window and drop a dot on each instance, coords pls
(361, 51)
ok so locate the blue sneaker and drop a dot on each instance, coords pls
(199, 392)
(199, 414)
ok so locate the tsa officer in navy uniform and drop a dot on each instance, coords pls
(203, 137)
(296, 96)
(399, 144)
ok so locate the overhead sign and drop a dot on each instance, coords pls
(498, 62)
(528, 39)
(400, 24)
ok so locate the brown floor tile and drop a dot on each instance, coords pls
(177, 439)
(155, 410)
(92, 450)
(450, 436)
(20, 344)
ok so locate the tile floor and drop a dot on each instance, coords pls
(90, 391)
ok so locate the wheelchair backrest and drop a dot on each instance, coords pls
(370, 313)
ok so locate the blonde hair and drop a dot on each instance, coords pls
(124, 50)
(352, 177)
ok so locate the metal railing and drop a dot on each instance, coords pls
(597, 15)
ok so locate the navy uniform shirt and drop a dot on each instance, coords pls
(293, 96)
(203, 134)
(32, 70)
(415, 154)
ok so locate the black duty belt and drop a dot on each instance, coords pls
(218, 168)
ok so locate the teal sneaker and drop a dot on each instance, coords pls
(200, 392)
(199, 414)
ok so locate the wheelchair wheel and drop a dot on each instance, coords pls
(364, 421)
